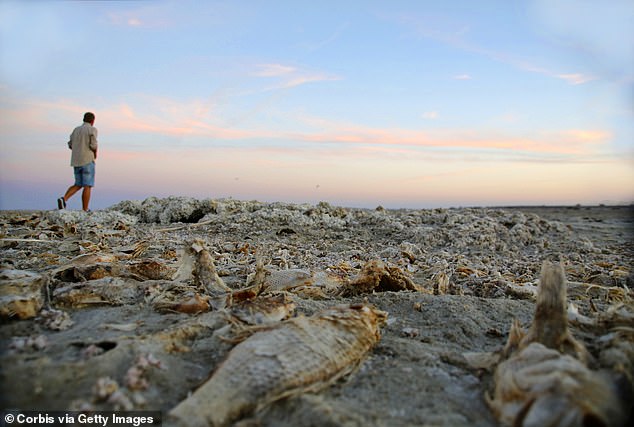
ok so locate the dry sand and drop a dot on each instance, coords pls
(477, 268)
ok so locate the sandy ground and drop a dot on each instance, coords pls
(416, 375)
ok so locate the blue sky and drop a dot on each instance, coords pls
(399, 103)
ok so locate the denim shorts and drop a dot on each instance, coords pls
(85, 175)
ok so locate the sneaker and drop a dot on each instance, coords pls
(61, 203)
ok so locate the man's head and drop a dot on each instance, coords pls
(89, 118)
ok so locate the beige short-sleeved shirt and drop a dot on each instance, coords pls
(83, 142)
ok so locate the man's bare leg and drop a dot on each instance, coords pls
(71, 190)
(85, 197)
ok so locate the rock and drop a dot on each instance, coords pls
(55, 320)
(21, 293)
(166, 211)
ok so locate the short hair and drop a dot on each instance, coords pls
(89, 117)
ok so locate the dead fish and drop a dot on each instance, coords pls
(179, 297)
(550, 321)
(265, 279)
(441, 283)
(175, 339)
(205, 271)
(282, 280)
(539, 386)
(308, 284)
(544, 380)
(88, 267)
(256, 284)
(377, 276)
(194, 305)
(618, 315)
(197, 264)
(264, 310)
(526, 291)
(109, 290)
(93, 258)
(299, 355)
(151, 269)
(85, 272)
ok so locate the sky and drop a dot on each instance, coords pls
(400, 104)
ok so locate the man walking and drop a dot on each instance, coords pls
(83, 142)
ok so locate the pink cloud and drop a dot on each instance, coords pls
(200, 119)
(182, 120)
(167, 117)
(289, 76)
(576, 78)
(558, 141)
(585, 136)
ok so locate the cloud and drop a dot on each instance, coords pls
(124, 20)
(576, 78)
(308, 78)
(194, 123)
(166, 117)
(586, 136)
(566, 142)
(134, 22)
(277, 164)
(289, 76)
(140, 114)
(151, 15)
(273, 70)
(462, 77)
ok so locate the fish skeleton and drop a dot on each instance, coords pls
(299, 355)
(545, 380)
(539, 386)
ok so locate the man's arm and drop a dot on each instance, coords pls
(93, 142)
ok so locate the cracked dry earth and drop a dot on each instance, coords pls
(109, 310)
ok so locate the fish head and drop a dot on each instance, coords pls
(370, 312)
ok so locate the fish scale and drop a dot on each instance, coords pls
(285, 279)
(304, 353)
